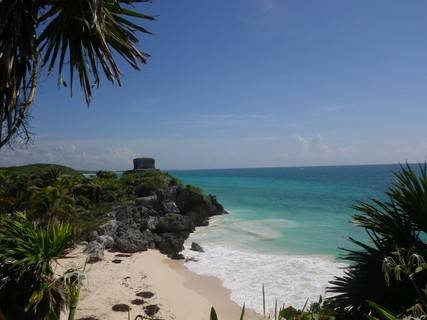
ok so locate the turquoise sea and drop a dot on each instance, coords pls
(284, 228)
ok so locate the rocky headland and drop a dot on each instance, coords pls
(161, 220)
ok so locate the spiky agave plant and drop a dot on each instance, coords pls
(396, 224)
(28, 288)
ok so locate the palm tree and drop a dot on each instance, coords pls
(54, 202)
(46, 35)
(397, 229)
(28, 289)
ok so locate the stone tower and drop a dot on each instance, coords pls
(143, 163)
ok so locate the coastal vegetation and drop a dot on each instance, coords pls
(52, 193)
(43, 208)
(316, 311)
(389, 269)
(28, 288)
(46, 209)
(386, 278)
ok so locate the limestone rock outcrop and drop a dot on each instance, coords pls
(162, 220)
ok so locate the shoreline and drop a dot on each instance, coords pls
(179, 293)
(287, 279)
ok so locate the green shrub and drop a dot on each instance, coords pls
(39, 169)
(144, 182)
(28, 289)
(397, 228)
(106, 175)
(194, 189)
(316, 311)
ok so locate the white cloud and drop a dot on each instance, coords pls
(315, 147)
(216, 152)
(91, 156)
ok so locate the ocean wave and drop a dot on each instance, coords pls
(289, 279)
(223, 230)
(258, 229)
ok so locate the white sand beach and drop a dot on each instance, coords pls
(179, 293)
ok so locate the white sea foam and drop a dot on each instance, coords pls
(289, 279)
(222, 230)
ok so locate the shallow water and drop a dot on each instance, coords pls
(284, 228)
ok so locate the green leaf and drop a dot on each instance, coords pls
(243, 312)
(213, 314)
(383, 312)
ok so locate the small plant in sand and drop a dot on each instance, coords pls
(73, 280)
(316, 311)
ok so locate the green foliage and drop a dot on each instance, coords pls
(49, 195)
(73, 281)
(85, 36)
(53, 202)
(397, 228)
(194, 189)
(40, 169)
(316, 311)
(144, 182)
(28, 289)
(173, 181)
(213, 315)
(383, 313)
(106, 175)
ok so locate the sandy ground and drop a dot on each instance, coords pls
(179, 293)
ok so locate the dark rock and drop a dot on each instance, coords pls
(121, 307)
(143, 191)
(132, 215)
(95, 251)
(196, 247)
(106, 241)
(133, 240)
(137, 302)
(149, 202)
(177, 256)
(169, 206)
(173, 222)
(170, 243)
(116, 261)
(109, 228)
(92, 236)
(194, 204)
(151, 310)
(162, 220)
(145, 294)
(152, 223)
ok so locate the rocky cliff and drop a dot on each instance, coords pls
(162, 220)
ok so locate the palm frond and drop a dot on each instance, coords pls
(89, 33)
(393, 226)
(18, 66)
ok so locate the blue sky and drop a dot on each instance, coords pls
(252, 83)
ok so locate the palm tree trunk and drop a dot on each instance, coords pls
(2, 317)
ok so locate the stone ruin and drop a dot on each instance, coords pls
(143, 163)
